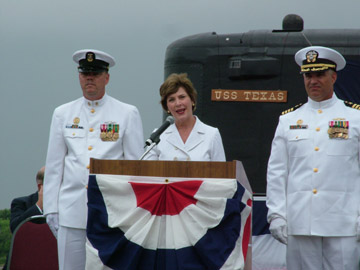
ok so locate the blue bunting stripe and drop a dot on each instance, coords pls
(117, 252)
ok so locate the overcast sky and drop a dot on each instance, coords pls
(37, 74)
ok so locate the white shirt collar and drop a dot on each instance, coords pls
(322, 104)
(95, 103)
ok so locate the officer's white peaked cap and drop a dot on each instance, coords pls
(318, 58)
(93, 60)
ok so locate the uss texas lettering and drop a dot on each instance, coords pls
(249, 95)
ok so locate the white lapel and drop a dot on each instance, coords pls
(195, 138)
(173, 137)
(196, 135)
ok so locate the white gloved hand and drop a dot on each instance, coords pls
(278, 229)
(53, 221)
(358, 229)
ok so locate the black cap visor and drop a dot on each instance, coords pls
(96, 66)
(91, 69)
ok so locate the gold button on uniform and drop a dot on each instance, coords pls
(90, 148)
(92, 110)
(175, 158)
(319, 111)
(317, 129)
(88, 167)
(316, 148)
(91, 129)
(316, 170)
(73, 134)
(314, 190)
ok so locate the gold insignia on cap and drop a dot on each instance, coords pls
(311, 56)
(90, 57)
(76, 120)
(299, 122)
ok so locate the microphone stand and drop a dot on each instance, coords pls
(155, 136)
(152, 145)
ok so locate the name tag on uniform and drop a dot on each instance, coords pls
(76, 124)
(299, 125)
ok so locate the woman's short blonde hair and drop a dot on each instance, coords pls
(172, 85)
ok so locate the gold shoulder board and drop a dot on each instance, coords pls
(292, 109)
(352, 105)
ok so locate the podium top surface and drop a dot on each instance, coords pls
(165, 168)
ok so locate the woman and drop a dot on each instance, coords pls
(188, 138)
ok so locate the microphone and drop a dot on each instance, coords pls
(155, 136)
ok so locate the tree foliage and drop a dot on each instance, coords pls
(5, 214)
(5, 234)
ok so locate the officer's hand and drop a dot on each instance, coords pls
(278, 229)
(358, 228)
(53, 221)
(40, 197)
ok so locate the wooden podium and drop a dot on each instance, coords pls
(186, 169)
(203, 169)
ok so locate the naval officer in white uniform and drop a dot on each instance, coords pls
(313, 179)
(188, 139)
(93, 126)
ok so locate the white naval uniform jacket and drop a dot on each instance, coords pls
(313, 181)
(203, 144)
(70, 149)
